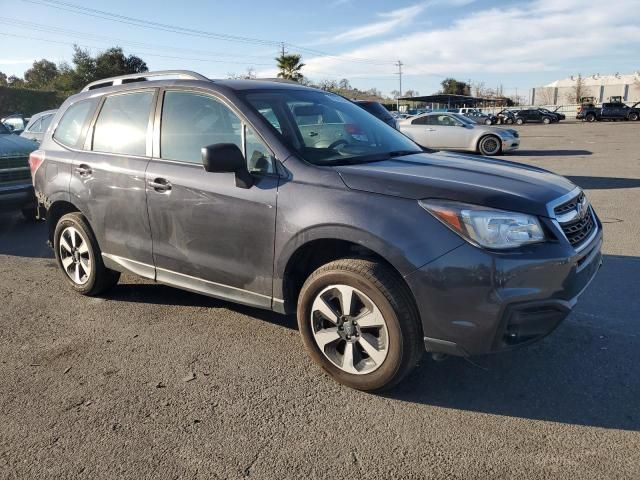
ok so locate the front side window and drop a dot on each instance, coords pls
(259, 158)
(36, 127)
(45, 121)
(326, 129)
(191, 121)
(73, 121)
(123, 123)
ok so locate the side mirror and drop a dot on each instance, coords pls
(227, 157)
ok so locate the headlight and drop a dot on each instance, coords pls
(485, 226)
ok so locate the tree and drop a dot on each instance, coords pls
(290, 66)
(328, 85)
(451, 86)
(41, 75)
(14, 81)
(249, 75)
(578, 90)
(344, 84)
(411, 93)
(3, 79)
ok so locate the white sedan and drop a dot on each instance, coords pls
(452, 131)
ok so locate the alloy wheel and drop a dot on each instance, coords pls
(349, 329)
(75, 256)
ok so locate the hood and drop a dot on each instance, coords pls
(12, 145)
(478, 180)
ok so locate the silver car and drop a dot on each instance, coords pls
(452, 131)
(38, 125)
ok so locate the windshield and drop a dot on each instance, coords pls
(374, 108)
(326, 129)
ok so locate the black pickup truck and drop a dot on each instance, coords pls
(609, 111)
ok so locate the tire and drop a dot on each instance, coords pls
(590, 117)
(546, 120)
(490, 145)
(488, 122)
(519, 121)
(633, 116)
(377, 289)
(79, 257)
(509, 121)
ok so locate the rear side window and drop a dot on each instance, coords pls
(73, 121)
(45, 121)
(123, 123)
(191, 121)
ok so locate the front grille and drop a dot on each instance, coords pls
(568, 206)
(14, 168)
(14, 162)
(579, 229)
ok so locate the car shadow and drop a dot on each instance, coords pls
(604, 183)
(159, 294)
(549, 153)
(585, 373)
(23, 238)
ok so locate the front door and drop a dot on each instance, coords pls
(210, 235)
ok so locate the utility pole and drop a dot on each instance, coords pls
(399, 65)
(282, 49)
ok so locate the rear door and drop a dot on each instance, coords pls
(108, 178)
(210, 235)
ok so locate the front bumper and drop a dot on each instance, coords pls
(13, 197)
(472, 301)
(510, 145)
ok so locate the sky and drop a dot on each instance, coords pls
(516, 44)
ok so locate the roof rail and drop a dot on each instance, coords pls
(142, 76)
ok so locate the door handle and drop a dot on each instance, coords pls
(160, 185)
(313, 134)
(84, 170)
(431, 129)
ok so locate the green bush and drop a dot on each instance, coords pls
(26, 101)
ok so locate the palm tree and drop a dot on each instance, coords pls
(290, 67)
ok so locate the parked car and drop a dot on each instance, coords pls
(382, 250)
(559, 116)
(16, 189)
(452, 131)
(379, 111)
(609, 111)
(506, 117)
(476, 115)
(534, 115)
(15, 123)
(38, 125)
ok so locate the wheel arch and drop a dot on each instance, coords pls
(306, 257)
(55, 212)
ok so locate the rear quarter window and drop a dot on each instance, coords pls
(72, 125)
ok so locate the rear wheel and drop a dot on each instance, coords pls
(490, 145)
(79, 256)
(509, 121)
(358, 322)
(633, 116)
(546, 120)
(519, 121)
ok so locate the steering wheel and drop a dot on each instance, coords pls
(337, 143)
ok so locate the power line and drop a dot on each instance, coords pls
(92, 12)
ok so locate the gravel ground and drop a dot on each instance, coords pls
(152, 382)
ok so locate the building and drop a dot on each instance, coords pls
(600, 87)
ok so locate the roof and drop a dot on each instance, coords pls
(450, 99)
(597, 80)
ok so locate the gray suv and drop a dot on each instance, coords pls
(297, 200)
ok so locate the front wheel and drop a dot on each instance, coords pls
(489, 145)
(546, 120)
(519, 121)
(358, 322)
(509, 121)
(590, 117)
(79, 257)
(633, 116)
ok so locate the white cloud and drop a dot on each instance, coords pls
(390, 20)
(532, 36)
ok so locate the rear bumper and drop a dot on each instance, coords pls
(13, 197)
(474, 302)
